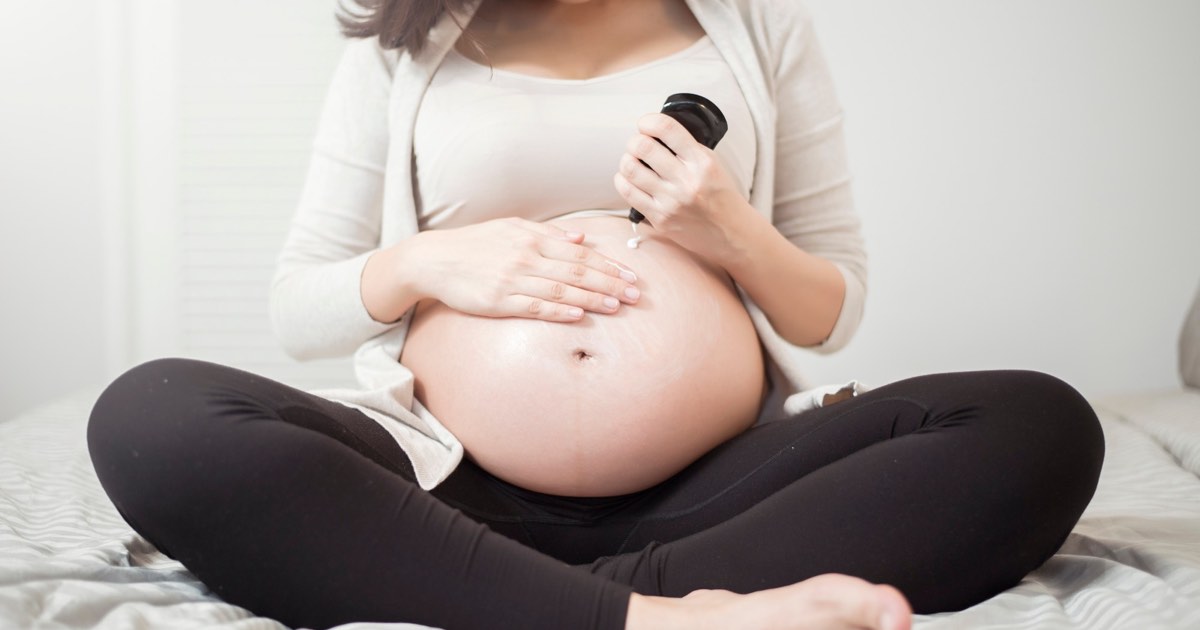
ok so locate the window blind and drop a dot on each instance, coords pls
(250, 83)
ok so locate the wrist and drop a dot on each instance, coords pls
(747, 237)
(392, 281)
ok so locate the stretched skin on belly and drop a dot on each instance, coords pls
(605, 406)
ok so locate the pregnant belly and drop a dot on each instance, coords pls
(608, 405)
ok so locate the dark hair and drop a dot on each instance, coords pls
(397, 23)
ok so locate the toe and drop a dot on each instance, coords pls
(858, 603)
(896, 613)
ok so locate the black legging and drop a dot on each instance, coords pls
(951, 487)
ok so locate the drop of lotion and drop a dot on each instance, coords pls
(637, 238)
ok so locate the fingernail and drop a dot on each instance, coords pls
(885, 621)
(570, 236)
(611, 303)
(575, 311)
(632, 293)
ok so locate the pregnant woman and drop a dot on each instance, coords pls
(553, 429)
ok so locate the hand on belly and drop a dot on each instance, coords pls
(607, 405)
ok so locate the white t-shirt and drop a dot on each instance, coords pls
(491, 143)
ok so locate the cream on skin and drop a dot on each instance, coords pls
(636, 240)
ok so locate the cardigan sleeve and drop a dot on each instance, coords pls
(315, 297)
(813, 200)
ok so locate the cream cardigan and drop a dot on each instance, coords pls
(358, 197)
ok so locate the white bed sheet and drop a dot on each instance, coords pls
(67, 559)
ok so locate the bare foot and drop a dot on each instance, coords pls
(827, 602)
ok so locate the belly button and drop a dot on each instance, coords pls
(582, 356)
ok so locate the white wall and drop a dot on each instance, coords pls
(1028, 176)
(52, 250)
(1026, 172)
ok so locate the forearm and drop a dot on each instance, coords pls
(800, 293)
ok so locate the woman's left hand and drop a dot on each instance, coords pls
(683, 189)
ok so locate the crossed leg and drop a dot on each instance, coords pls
(302, 509)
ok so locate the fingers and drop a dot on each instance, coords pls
(559, 278)
(636, 197)
(567, 246)
(585, 265)
(546, 229)
(675, 136)
(660, 165)
(554, 300)
(654, 158)
(640, 175)
(563, 293)
(536, 308)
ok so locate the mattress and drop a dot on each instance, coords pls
(67, 560)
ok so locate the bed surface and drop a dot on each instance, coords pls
(67, 560)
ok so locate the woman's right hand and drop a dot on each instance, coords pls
(514, 267)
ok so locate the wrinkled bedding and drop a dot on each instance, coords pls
(67, 560)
